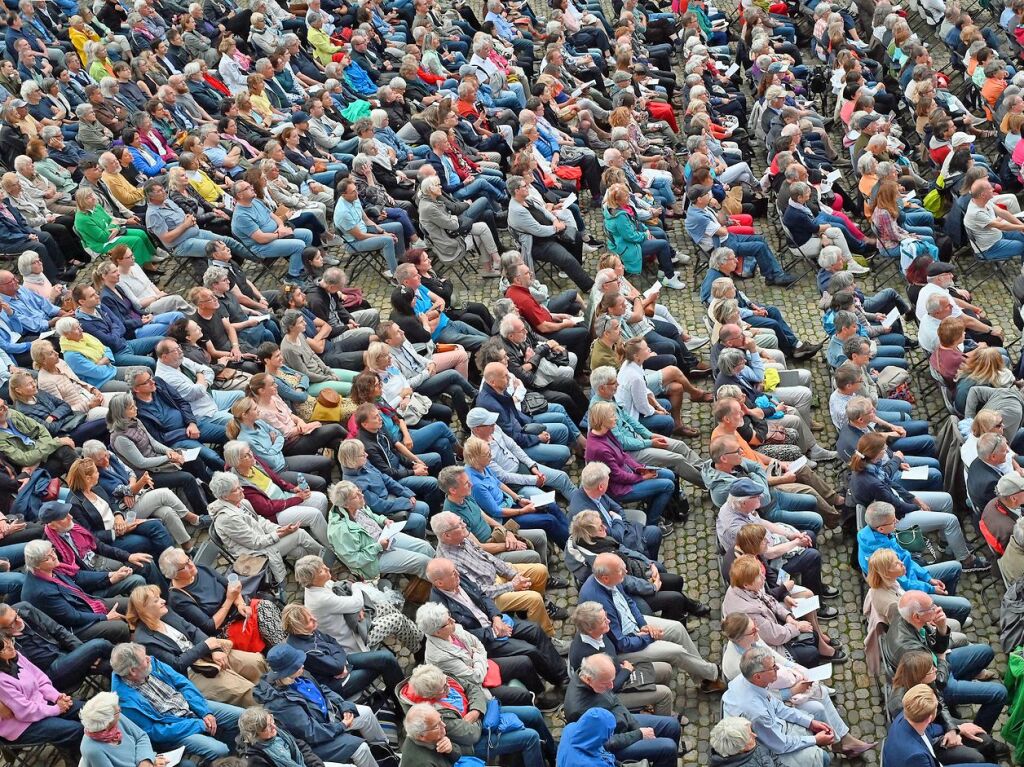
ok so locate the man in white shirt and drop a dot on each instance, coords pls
(192, 382)
(999, 235)
(940, 280)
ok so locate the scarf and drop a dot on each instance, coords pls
(94, 604)
(112, 734)
(81, 539)
(455, 699)
(89, 347)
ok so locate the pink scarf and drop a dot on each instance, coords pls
(110, 735)
(94, 604)
(83, 540)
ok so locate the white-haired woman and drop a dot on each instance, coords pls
(460, 654)
(111, 739)
(363, 542)
(58, 379)
(792, 684)
(341, 611)
(274, 498)
(86, 355)
(30, 267)
(243, 531)
(450, 238)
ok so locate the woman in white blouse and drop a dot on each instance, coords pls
(639, 389)
(137, 285)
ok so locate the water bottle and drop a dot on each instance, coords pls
(302, 483)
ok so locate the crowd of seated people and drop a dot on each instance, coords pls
(258, 511)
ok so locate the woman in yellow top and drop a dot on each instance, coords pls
(323, 48)
(99, 233)
(197, 177)
(81, 34)
(259, 100)
(122, 189)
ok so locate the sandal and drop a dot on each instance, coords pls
(702, 396)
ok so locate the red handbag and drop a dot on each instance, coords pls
(493, 677)
(245, 633)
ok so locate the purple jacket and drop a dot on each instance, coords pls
(29, 696)
(624, 468)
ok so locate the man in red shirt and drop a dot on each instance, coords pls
(565, 329)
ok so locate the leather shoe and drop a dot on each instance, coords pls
(713, 686)
(686, 432)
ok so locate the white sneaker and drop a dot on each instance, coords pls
(672, 282)
(696, 342)
(588, 249)
(818, 453)
(680, 258)
(854, 268)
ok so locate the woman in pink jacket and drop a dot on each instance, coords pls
(38, 712)
(629, 480)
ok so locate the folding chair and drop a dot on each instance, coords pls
(991, 265)
(358, 261)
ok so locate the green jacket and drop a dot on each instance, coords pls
(625, 234)
(1013, 730)
(16, 451)
(355, 548)
(94, 229)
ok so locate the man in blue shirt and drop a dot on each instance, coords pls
(264, 233)
(175, 229)
(35, 314)
(446, 330)
(363, 235)
(785, 731)
(707, 232)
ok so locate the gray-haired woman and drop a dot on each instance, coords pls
(109, 736)
(243, 531)
(460, 654)
(450, 237)
(139, 451)
(263, 744)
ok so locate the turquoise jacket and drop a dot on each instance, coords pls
(625, 234)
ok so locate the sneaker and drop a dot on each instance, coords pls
(680, 258)
(555, 612)
(673, 282)
(561, 646)
(588, 249)
(291, 279)
(818, 453)
(806, 351)
(388, 274)
(696, 342)
(332, 261)
(783, 280)
(827, 613)
(829, 592)
(204, 521)
(554, 582)
(976, 564)
(854, 268)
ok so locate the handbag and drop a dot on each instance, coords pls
(493, 676)
(534, 403)
(912, 539)
(497, 721)
(418, 406)
(245, 632)
(252, 570)
(642, 678)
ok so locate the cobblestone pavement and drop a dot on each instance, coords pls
(690, 551)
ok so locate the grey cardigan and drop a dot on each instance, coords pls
(440, 227)
(300, 357)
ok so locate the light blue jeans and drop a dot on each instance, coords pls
(939, 517)
(393, 250)
(289, 247)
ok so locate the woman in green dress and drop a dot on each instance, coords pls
(99, 231)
